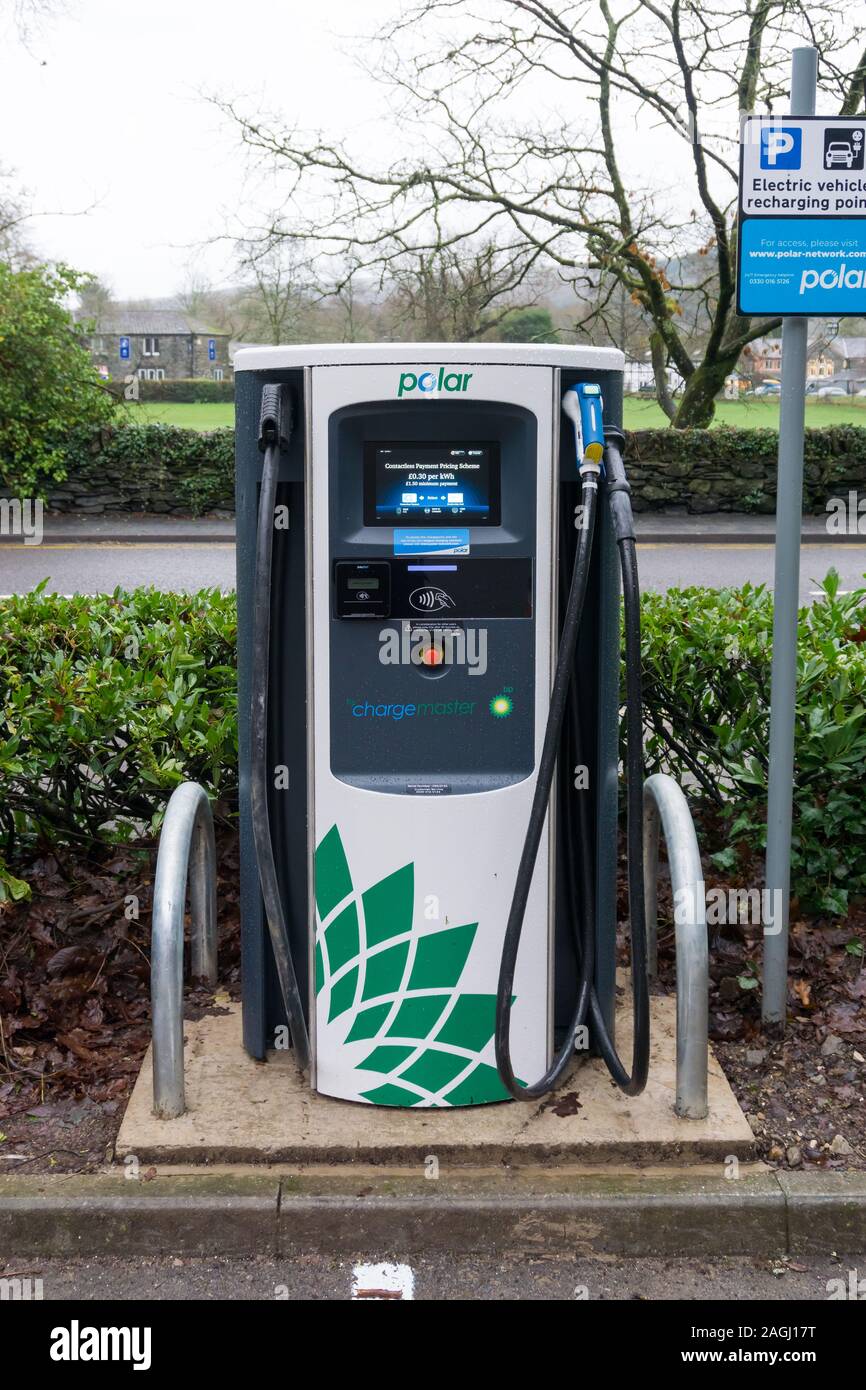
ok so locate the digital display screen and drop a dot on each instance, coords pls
(419, 484)
(362, 583)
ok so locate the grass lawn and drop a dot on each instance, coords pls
(639, 413)
(642, 414)
(191, 417)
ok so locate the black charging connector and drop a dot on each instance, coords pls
(618, 486)
(275, 418)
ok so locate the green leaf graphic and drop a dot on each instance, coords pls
(388, 906)
(440, 957)
(342, 938)
(416, 1017)
(333, 881)
(385, 971)
(343, 994)
(428, 1037)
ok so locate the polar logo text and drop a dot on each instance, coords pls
(431, 381)
(843, 278)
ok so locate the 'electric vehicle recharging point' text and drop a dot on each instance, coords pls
(428, 870)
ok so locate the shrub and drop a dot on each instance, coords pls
(706, 657)
(189, 391)
(729, 446)
(529, 325)
(48, 384)
(108, 702)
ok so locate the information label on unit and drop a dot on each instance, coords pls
(428, 788)
(411, 541)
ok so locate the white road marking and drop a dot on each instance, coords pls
(383, 1282)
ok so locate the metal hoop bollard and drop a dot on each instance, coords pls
(666, 809)
(187, 852)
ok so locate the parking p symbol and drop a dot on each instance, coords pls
(781, 147)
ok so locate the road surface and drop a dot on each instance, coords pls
(482, 1277)
(88, 567)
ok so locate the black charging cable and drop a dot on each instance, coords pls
(275, 430)
(564, 702)
(537, 816)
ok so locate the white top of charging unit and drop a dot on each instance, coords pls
(576, 356)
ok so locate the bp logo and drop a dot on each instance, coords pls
(431, 381)
(391, 994)
(501, 706)
(430, 599)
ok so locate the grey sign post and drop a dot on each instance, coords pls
(783, 688)
(801, 251)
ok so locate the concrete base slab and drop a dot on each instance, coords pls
(243, 1111)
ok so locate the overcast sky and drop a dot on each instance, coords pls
(103, 108)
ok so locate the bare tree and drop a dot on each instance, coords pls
(196, 294)
(456, 293)
(350, 308)
(633, 71)
(14, 213)
(27, 19)
(277, 290)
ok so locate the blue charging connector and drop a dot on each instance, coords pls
(584, 406)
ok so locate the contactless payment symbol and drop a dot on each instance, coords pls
(430, 599)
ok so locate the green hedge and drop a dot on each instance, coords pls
(110, 701)
(190, 391)
(706, 678)
(142, 467)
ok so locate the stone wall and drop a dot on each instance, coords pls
(161, 468)
(147, 468)
(734, 470)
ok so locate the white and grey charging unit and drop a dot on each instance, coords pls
(398, 638)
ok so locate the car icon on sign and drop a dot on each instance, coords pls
(839, 152)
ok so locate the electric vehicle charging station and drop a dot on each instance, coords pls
(402, 508)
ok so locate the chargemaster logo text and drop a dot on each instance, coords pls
(431, 381)
(370, 709)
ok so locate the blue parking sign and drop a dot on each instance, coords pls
(781, 147)
(124, 349)
(211, 349)
(801, 233)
